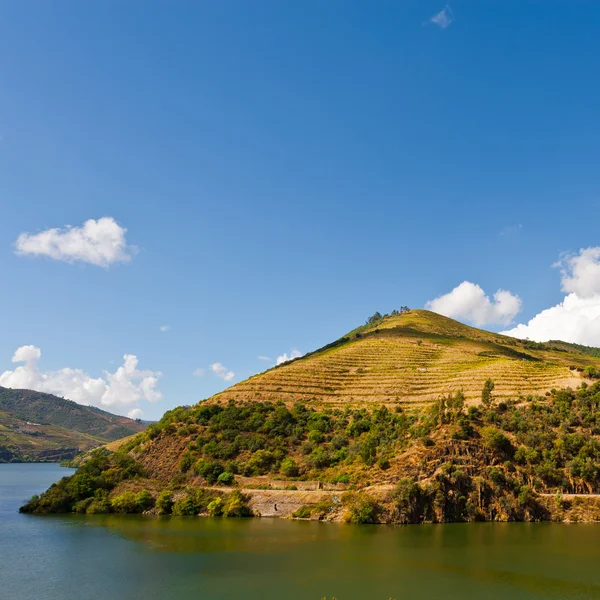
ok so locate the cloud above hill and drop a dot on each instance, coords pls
(98, 242)
(577, 317)
(221, 371)
(124, 389)
(469, 302)
(282, 358)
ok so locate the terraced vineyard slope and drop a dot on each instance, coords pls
(44, 428)
(413, 358)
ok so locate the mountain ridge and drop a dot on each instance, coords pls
(35, 426)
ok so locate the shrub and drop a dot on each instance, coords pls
(236, 505)
(289, 468)
(318, 458)
(144, 500)
(362, 508)
(215, 508)
(408, 498)
(164, 502)
(260, 463)
(99, 506)
(125, 503)
(209, 469)
(495, 440)
(226, 478)
(187, 460)
(304, 512)
(185, 506)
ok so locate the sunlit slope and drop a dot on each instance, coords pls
(412, 359)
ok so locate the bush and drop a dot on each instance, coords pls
(362, 508)
(304, 512)
(260, 463)
(495, 440)
(185, 506)
(124, 503)
(187, 460)
(215, 508)
(144, 500)
(319, 458)
(164, 502)
(289, 468)
(210, 470)
(236, 505)
(226, 478)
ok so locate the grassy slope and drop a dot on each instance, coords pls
(37, 426)
(481, 463)
(410, 360)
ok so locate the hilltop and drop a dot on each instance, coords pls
(41, 427)
(410, 418)
(410, 359)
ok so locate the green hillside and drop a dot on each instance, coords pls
(41, 427)
(488, 428)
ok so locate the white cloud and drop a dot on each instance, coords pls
(511, 230)
(285, 358)
(468, 301)
(581, 272)
(124, 388)
(265, 358)
(164, 328)
(136, 413)
(199, 372)
(577, 317)
(220, 371)
(100, 243)
(444, 18)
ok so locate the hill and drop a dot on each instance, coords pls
(409, 360)
(351, 447)
(41, 427)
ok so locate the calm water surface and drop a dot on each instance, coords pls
(108, 557)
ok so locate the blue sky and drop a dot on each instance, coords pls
(283, 170)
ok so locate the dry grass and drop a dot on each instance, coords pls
(412, 359)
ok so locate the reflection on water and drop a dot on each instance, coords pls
(130, 557)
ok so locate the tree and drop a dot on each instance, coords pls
(374, 318)
(486, 393)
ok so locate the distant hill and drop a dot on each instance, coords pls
(413, 417)
(41, 427)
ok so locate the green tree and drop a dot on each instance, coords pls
(164, 502)
(486, 393)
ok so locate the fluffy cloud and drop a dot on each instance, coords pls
(164, 328)
(199, 372)
(124, 388)
(136, 413)
(577, 317)
(469, 302)
(100, 243)
(444, 18)
(220, 371)
(285, 358)
(581, 272)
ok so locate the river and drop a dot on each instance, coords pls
(111, 557)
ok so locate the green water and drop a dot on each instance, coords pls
(121, 557)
